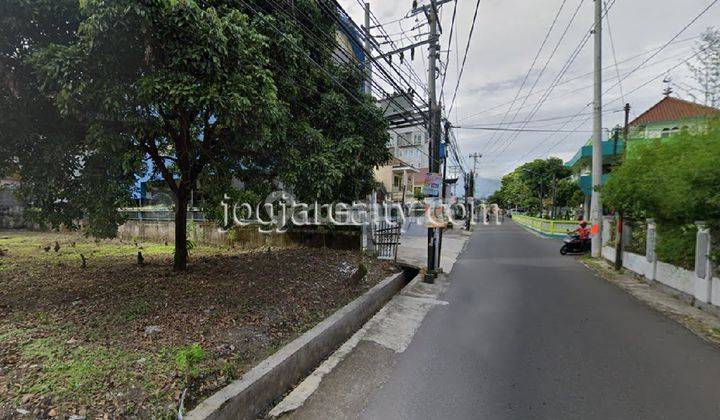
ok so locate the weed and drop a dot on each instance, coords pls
(188, 358)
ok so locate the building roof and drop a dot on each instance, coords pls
(673, 109)
(395, 161)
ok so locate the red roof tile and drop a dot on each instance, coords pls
(672, 109)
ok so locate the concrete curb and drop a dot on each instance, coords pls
(250, 396)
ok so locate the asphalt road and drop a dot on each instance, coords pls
(528, 333)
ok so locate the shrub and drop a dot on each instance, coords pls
(675, 181)
(638, 240)
(676, 245)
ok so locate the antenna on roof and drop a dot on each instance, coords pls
(668, 88)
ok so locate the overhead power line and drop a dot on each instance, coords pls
(558, 77)
(520, 130)
(583, 75)
(467, 48)
(532, 66)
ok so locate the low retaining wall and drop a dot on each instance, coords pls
(680, 281)
(637, 263)
(250, 396)
(676, 277)
(246, 237)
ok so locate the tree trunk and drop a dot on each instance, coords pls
(181, 251)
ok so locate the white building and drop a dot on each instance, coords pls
(411, 146)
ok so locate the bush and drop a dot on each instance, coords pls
(638, 241)
(676, 245)
(675, 181)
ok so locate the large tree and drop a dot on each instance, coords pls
(209, 94)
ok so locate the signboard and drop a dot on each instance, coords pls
(435, 213)
(433, 185)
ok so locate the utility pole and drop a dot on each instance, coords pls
(444, 182)
(433, 233)
(445, 158)
(469, 191)
(619, 222)
(368, 48)
(468, 206)
(597, 164)
(475, 157)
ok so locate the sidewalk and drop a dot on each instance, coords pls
(340, 386)
(413, 246)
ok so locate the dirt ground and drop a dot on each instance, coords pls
(116, 339)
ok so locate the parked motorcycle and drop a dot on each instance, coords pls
(574, 245)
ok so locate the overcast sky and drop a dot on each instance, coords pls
(507, 37)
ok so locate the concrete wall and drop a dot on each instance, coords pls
(608, 253)
(676, 277)
(637, 263)
(715, 294)
(698, 285)
(11, 211)
(247, 237)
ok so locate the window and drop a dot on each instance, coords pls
(404, 139)
(667, 132)
(418, 138)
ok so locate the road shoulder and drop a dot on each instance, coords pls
(704, 324)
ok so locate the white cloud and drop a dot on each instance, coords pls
(507, 36)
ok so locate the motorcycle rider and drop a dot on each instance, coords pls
(583, 231)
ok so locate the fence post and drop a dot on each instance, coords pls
(369, 224)
(650, 249)
(703, 273)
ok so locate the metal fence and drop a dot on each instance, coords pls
(386, 239)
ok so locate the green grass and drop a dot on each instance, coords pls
(29, 247)
(82, 372)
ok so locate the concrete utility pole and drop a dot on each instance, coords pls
(597, 164)
(471, 189)
(619, 222)
(475, 157)
(444, 182)
(368, 48)
(433, 233)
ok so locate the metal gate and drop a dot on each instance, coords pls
(386, 239)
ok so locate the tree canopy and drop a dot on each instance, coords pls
(673, 180)
(533, 184)
(208, 91)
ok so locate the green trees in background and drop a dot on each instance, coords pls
(533, 186)
(209, 91)
(676, 181)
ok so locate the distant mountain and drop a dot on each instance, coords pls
(484, 187)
